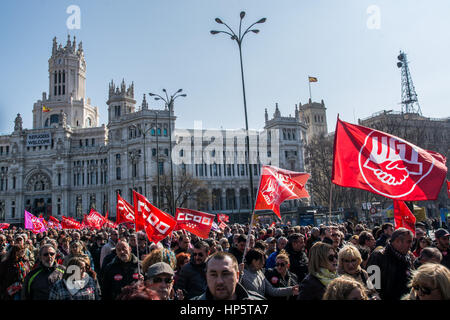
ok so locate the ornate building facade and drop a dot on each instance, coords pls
(68, 163)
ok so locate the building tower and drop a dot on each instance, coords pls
(120, 101)
(66, 90)
(410, 103)
(314, 115)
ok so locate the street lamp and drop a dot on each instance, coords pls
(239, 38)
(144, 133)
(169, 104)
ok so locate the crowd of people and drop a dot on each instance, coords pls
(328, 262)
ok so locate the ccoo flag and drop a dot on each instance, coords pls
(384, 164)
(277, 185)
(156, 223)
(196, 222)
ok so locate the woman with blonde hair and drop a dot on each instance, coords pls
(322, 267)
(345, 288)
(159, 255)
(430, 282)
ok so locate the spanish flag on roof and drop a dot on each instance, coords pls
(312, 79)
(45, 109)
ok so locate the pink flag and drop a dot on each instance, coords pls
(34, 224)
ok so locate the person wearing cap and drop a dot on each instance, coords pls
(160, 278)
(442, 243)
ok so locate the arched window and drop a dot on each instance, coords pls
(54, 118)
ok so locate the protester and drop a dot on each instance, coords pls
(184, 244)
(138, 291)
(76, 283)
(395, 265)
(366, 241)
(253, 278)
(430, 282)
(37, 283)
(281, 244)
(386, 232)
(13, 270)
(160, 279)
(345, 288)
(428, 255)
(95, 250)
(238, 249)
(280, 276)
(322, 269)
(422, 243)
(191, 279)
(271, 245)
(109, 246)
(442, 243)
(297, 256)
(123, 270)
(222, 276)
(159, 254)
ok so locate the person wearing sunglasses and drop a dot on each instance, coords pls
(38, 282)
(253, 278)
(191, 278)
(322, 267)
(280, 276)
(160, 278)
(430, 282)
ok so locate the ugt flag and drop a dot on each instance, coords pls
(223, 217)
(277, 185)
(94, 220)
(156, 223)
(403, 217)
(384, 164)
(196, 222)
(33, 223)
(124, 211)
(4, 226)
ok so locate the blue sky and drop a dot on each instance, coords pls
(166, 44)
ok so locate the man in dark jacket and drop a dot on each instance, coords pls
(442, 243)
(222, 274)
(297, 256)
(192, 277)
(238, 250)
(315, 236)
(395, 265)
(96, 250)
(121, 271)
(37, 283)
(387, 229)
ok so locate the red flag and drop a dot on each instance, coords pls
(69, 223)
(381, 163)
(222, 225)
(94, 220)
(403, 216)
(109, 224)
(448, 189)
(156, 223)
(272, 225)
(53, 223)
(277, 185)
(124, 211)
(4, 226)
(196, 222)
(223, 217)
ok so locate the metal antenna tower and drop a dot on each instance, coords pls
(410, 104)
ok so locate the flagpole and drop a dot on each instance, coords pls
(247, 243)
(309, 83)
(331, 192)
